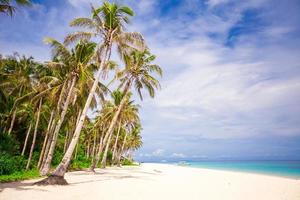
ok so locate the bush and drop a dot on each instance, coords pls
(57, 157)
(21, 175)
(10, 164)
(127, 162)
(79, 163)
(8, 144)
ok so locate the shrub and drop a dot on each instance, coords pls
(21, 175)
(8, 144)
(79, 163)
(10, 164)
(127, 162)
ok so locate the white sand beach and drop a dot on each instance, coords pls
(158, 181)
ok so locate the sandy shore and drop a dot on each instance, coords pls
(158, 181)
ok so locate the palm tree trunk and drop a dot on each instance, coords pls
(122, 149)
(116, 143)
(70, 133)
(96, 160)
(66, 141)
(116, 115)
(88, 148)
(94, 147)
(53, 125)
(114, 119)
(12, 121)
(50, 137)
(47, 164)
(76, 151)
(26, 139)
(62, 167)
(103, 163)
(34, 135)
(45, 139)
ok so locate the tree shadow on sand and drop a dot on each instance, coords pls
(19, 186)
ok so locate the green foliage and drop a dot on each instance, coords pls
(10, 164)
(24, 83)
(57, 157)
(81, 162)
(6, 6)
(19, 175)
(34, 160)
(8, 144)
(129, 162)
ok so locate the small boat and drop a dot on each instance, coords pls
(183, 163)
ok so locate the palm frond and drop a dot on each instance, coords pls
(77, 36)
(58, 49)
(83, 22)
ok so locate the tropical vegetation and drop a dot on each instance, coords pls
(77, 110)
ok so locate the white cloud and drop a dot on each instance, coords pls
(158, 152)
(213, 3)
(85, 3)
(209, 90)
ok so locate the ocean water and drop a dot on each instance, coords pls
(279, 168)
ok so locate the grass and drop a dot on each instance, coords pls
(34, 173)
(17, 176)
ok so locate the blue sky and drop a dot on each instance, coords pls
(231, 72)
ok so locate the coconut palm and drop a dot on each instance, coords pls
(7, 7)
(131, 141)
(107, 23)
(138, 73)
(17, 81)
(77, 61)
(35, 132)
(128, 115)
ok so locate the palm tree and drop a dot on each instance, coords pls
(127, 116)
(137, 72)
(17, 82)
(78, 61)
(107, 22)
(132, 140)
(27, 110)
(35, 133)
(7, 7)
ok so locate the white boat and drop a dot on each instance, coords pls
(183, 163)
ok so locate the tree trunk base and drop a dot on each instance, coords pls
(91, 170)
(52, 180)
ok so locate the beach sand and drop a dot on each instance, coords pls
(158, 181)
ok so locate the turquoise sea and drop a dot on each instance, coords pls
(279, 168)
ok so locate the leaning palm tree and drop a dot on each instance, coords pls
(7, 7)
(78, 61)
(134, 141)
(128, 114)
(107, 23)
(137, 73)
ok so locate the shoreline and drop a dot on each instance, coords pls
(277, 173)
(240, 171)
(157, 181)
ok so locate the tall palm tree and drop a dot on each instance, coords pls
(132, 140)
(78, 61)
(35, 133)
(128, 115)
(7, 7)
(107, 23)
(138, 73)
(17, 82)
